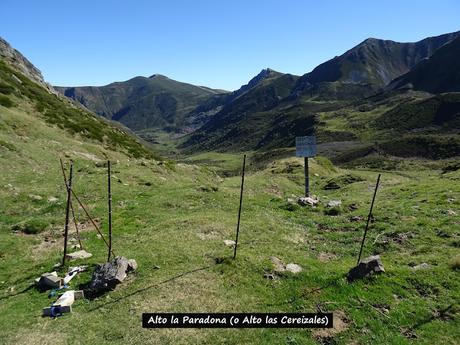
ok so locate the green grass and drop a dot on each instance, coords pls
(5, 101)
(162, 217)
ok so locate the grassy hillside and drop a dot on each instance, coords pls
(384, 127)
(173, 219)
(141, 103)
(21, 94)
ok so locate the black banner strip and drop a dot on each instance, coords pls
(237, 320)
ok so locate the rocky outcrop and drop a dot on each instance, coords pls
(15, 59)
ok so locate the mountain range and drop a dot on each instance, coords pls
(352, 98)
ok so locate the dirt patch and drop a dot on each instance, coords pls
(275, 190)
(210, 232)
(327, 228)
(326, 257)
(340, 324)
(87, 225)
(45, 247)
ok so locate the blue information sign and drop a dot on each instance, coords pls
(305, 146)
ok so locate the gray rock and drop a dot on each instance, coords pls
(422, 266)
(107, 276)
(368, 266)
(81, 254)
(280, 267)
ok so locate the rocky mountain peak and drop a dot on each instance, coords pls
(19, 62)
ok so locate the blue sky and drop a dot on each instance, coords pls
(220, 44)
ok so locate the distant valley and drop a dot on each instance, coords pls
(351, 98)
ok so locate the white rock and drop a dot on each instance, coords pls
(229, 243)
(307, 200)
(81, 254)
(52, 199)
(294, 268)
(334, 203)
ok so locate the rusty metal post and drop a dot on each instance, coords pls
(368, 220)
(239, 210)
(67, 212)
(110, 209)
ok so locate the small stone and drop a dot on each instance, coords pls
(368, 266)
(451, 213)
(53, 200)
(278, 264)
(422, 266)
(280, 267)
(356, 218)
(307, 201)
(334, 203)
(229, 243)
(293, 268)
(35, 197)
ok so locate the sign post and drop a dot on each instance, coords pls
(306, 147)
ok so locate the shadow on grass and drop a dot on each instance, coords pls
(30, 287)
(151, 286)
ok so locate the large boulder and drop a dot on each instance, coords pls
(368, 266)
(107, 276)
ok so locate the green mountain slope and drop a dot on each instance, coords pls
(141, 103)
(367, 67)
(339, 100)
(243, 117)
(439, 73)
